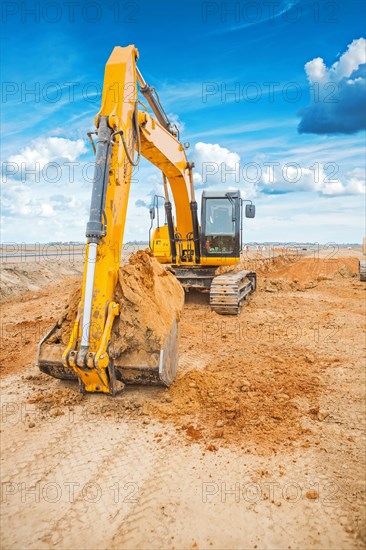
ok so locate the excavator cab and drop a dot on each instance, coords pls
(222, 223)
(222, 214)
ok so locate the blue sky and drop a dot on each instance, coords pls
(270, 96)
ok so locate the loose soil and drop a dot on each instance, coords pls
(151, 301)
(271, 401)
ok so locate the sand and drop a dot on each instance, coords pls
(151, 300)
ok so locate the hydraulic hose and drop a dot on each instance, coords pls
(137, 130)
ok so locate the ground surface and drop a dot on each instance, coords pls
(259, 443)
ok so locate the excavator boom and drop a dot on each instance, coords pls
(122, 129)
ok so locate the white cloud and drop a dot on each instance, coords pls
(350, 60)
(291, 177)
(23, 201)
(315, 70)
(218, 167)
(355, 56)
(337, 93)
(16, 200)
(29, 200)
(215, 165)
(309, 218)
(175, 120)
(46, 210)
(43, 151)
(356, 181)
(268, 176)
(213, 152)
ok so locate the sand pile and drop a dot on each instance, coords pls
(261, 265)
(33, 276)
(150, 299)
(295, 272)
(316, 269)
(240, 401)
(62, 336)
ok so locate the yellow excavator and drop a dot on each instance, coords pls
(362, 263)
(193, 251)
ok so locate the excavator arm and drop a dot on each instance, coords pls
(121, 128)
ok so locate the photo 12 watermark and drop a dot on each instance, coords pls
(246, 13)
(52, 492)
(72, 12)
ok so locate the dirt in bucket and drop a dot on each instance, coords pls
(150, 300)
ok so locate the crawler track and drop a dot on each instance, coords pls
(229, 291)
(362, 270)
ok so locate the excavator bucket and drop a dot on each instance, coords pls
(163, 369)
(160, 370)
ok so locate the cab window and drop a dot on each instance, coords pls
(220, 227)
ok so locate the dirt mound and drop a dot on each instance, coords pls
(240, 402)
(33, 276)
(295, 272)
(68, 318)
(21, 332)
(150, 300)
(315, 269)
(259, 264)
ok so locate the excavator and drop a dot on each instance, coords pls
(191, 250)
(362, 263)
